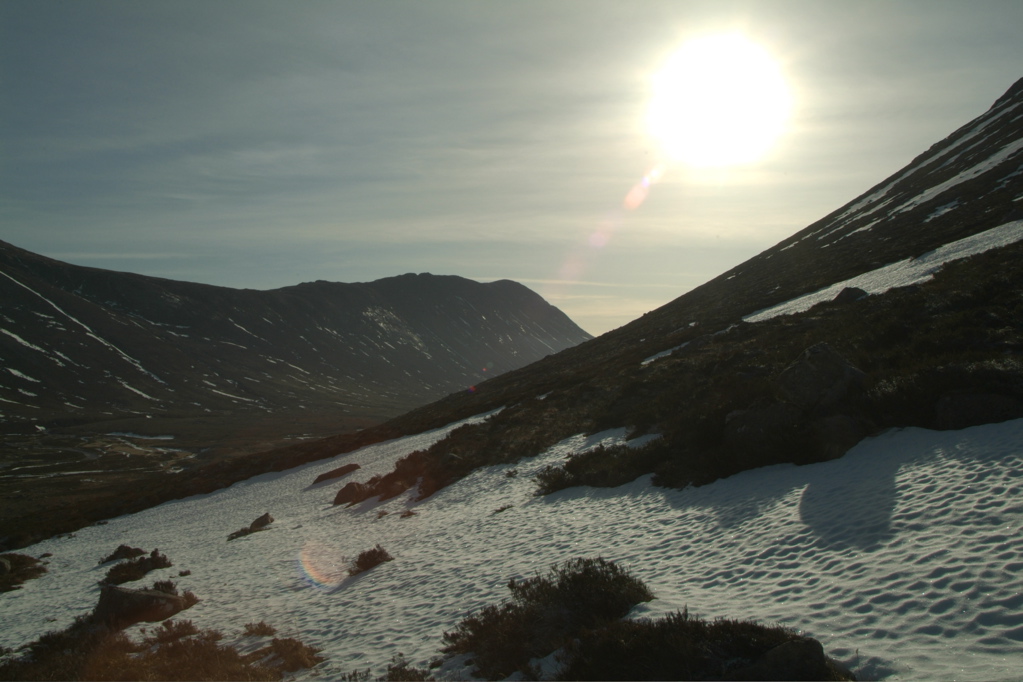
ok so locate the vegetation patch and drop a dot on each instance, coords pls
(576, 610)
(15, 569)
(368, 559)
(168, 587)
(122, 552)
(544, 613)
(683, 647)
(290, 655)
(603, 467)
(175, 650)
(401, 670)
(260, 629)
(136, 569)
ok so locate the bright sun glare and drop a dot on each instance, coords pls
(719, 100)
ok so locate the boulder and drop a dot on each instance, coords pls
(121, 607)
(261, 523)
(5, 566)
(850, 294)
(819, 379)
(351, 493)
(336, 473)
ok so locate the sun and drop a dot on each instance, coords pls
(719, 100)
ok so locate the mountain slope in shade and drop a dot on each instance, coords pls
(81, 344)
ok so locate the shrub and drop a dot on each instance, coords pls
(368, 559)
(293, 655)
(601, 467)
(136, 569)
(682, 647)
(171, 630)
(400, 670)
(261, 629)
(123, 552)
(176, 650)
(21, 568)
(544, 612)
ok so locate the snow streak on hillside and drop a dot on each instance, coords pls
(908, 550)
(903, 273)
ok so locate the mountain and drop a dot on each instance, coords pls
(84, 345)
(929, 334)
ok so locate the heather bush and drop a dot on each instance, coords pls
(136, 569)
(400, 670)
(368, 559)
(292, 655)
(601, 467)
(123, 552)
(544, 612)
(175, 650)
(683, 647)
(260, 629)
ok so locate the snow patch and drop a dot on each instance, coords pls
(22, 375)
(903, 273)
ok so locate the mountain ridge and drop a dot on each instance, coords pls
(349, 336)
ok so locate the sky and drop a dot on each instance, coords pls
(263, 144)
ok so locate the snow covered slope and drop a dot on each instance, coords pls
(905, 557)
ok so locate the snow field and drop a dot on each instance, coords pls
(905, 557)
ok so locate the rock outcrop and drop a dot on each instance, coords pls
(121, 607)
(337, 473)
(261, 523)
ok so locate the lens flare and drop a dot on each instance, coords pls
(639, 192)
(322, 566)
